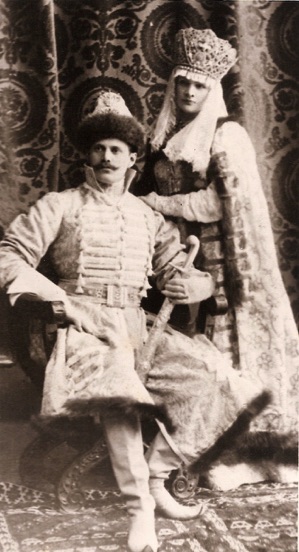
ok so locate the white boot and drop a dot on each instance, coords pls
(124, 441)
(161, 461)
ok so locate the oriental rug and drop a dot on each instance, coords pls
(252, 518)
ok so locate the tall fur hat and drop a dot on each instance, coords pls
(109, 117)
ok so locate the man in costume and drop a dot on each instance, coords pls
(104, 243)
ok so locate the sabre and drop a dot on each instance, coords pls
(163, 315)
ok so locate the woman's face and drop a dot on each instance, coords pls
(189, 95)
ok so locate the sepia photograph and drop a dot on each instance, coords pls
(149, 275)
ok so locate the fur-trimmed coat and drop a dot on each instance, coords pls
(94, 241)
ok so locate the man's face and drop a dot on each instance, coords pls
(110, 160)
(189, 95)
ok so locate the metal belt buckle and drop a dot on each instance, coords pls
(100, 293)
(116, 296)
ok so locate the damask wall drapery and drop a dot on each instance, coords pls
(56, 54)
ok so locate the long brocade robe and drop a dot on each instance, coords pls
(93, 242)
(258, 334)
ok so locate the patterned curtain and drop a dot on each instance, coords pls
(56, 54)
(269, 72)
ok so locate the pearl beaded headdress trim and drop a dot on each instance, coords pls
(106, 102)
(201, 51)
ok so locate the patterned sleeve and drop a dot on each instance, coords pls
(201, 206)
(28, 237)
(235, 157)
(168, 247)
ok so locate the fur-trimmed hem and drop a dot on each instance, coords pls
(87, 427)
(116, 407)
(229, 438)
(279, 448)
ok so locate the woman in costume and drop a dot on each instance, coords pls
(202, 173)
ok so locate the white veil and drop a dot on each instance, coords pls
(193, 142)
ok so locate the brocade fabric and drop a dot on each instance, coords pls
(258, 334)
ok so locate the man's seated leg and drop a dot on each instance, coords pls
(161, 461)
(125, 445)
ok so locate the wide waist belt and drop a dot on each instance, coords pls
(110, 295)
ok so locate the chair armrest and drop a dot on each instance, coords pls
(51, 312)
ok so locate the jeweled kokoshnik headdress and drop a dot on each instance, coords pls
(202, 57)
(202, 54)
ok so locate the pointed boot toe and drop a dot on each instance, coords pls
(167, 506)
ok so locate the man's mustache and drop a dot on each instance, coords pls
(104, 166)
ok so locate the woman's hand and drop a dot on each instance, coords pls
(200, 206)
(151, 200)
(167, 205)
